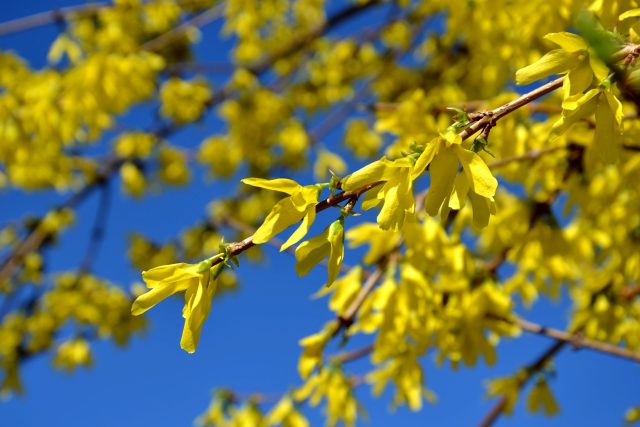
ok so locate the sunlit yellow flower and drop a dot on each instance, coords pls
(330, 243)
(541, 399)
(286, 414)
(449, 190)
(395, 195)
(196, 280)
(573, 57)
(301, 205)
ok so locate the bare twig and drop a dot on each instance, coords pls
(36, 237)
(197, 21)
(489, 118)
(534, 367)
(350, 356)
(44, 18)
(98, 229)
(239, 247)
(577, 340)
(532, 155)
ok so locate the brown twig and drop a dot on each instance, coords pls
(36, 237)
(197, 21)
(98, 229)
(489, 118)
(350, 356)
(532, 155)
(239, 247)
(530, 369)
(577, 340)
(44, 18)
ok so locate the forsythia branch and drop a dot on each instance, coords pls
(44, 18)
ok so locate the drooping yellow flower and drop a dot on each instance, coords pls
(286, 414)
(196, 281)
(313, 349)
(396, 194)
(541, 399)
(300, 205)
(574, 58)
(448, 190)
(330, 243)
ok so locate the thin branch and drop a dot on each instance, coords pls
(489, 118)
(197, 21)
(98, 229)
(337, 116)
(577, 340)
(531, 156)
(202, 67)
(239, 247)
(36, 237)
(350, 356)
(44, 18)
(534, 367)
(630, 292)
(299, 44)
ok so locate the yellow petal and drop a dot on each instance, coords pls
(599, 68)
(629, 14)
(567, 41)
(169, 273)
(283, 215)
(426, 157)
(554, 62)
(372, 198)
(391, 213)
(577, 80)
(606, 140)
(480, 178)
(584, 107)
(147, 300)
(311, 252)
(481, 210)
(198, 306)
(336, 253)
(443, 171)
(302, 230)
(459, 195)
(369, 174)
(283, 185)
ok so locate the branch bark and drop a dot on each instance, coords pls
(44, 18)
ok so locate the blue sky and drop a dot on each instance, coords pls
(250, 340)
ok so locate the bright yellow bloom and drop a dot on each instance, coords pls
(301, 205)
(448, 190)
(73, 353)
(573, 57)
(199, 288)
(329, 243)
(286, 414)
(396, 194)
(541, 399)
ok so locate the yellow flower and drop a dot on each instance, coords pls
(300, 205)
(199, 288)
(448, 190)
(329, 243)
(574, 58)
(286, 414)
(73, 353)
(396, 194)
(541, 399)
